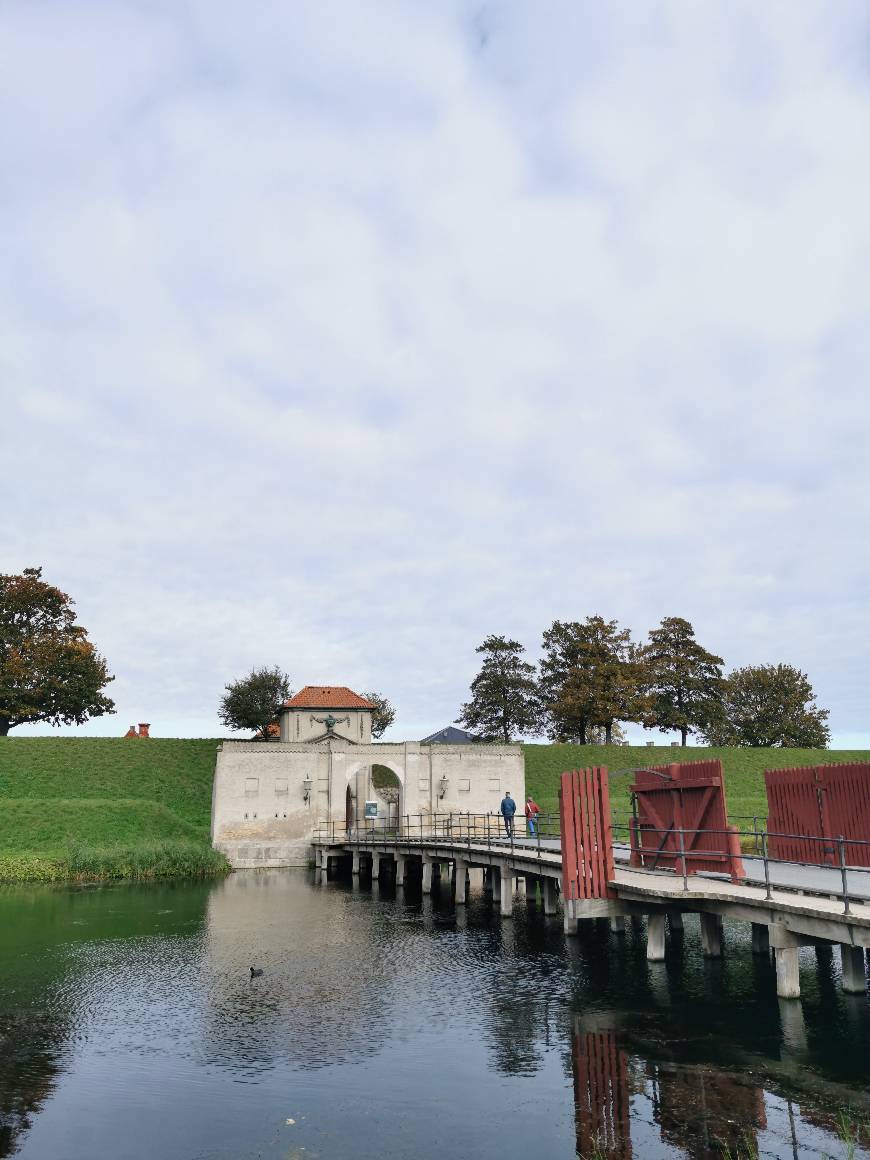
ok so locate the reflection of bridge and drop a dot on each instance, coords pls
(809, 911)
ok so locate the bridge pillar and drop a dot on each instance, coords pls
(506, 893)
(488, 876)
(459, 873)
(548, 893)
(675, 921)
(569, 916)
(854, 980)
(400, 869)
(519, 886)
(376, 867)
(760, 939)
(788, 981)
(427, 875)
(711, 936)
(617, 923)
(655, 938)
(355, 863)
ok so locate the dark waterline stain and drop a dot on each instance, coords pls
(130, 1027)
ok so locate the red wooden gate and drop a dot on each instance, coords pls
(687, 796)
(811, 806)
(587, 834)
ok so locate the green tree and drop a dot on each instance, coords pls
(591, 677)
(769, 705)
(383, 714)
(503, 694)
(49, 670)
(254, 702)
(683, 680)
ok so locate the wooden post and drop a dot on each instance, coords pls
(506, 893)
(459, 873)
(655, 938)
(854, 980)
(711, 936)
(548, 890)
(788, 982)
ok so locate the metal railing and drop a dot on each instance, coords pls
(478, 832)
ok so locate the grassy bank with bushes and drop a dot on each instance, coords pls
(98, 809)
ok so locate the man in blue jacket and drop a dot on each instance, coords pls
(508, 808)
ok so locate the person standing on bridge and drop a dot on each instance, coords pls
(532, 811)
(508, 808)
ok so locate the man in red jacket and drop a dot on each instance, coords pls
(532, 812)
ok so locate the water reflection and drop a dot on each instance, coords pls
(388, 1025)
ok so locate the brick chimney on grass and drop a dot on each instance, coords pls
(143, 729)
(131, 732)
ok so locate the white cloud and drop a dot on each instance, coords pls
(341, 336)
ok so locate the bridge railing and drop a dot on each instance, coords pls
(540, 835)
(847, 858)
(845, 879)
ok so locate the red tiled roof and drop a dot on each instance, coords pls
(327, 697)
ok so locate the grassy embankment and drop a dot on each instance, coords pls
(94, 809)
(744, 769)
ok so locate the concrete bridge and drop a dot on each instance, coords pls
(789, 906)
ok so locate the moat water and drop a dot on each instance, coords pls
(130, 1027)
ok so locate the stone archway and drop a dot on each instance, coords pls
(387, 788)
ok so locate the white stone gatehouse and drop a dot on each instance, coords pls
(269, 797)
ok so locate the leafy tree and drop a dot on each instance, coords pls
(597, 735)
(383, 714)
(254, 702)
(590, 679)
(49, 670)
(769, 705)
(683, 680)
(503, 694)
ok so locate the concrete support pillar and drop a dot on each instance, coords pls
(459, 873)
(711, 936)
(760, 939)
(854, 974)
(487, 880)
(519, 885)
(675, 921)
(655, 938)
(531, 889)
(569, 918)
(617, 924)
(355, 863)
(427, 876)
(548, 890)
(788, 983)
(506, 894)
(376, 867)
(400, 869)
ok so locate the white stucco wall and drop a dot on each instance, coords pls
(260, 817)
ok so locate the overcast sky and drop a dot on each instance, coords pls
(340, 335)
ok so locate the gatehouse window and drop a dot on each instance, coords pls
(280, 785)
(495, 785)
(252, 786)
(465, 785)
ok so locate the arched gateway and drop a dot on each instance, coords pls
(270, 798)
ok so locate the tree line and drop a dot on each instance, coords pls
(592, 677)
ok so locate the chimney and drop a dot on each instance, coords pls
(131, 732)
(143, 729)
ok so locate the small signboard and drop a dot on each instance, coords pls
(371, 810)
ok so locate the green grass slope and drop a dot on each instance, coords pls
(744, 769)
(103, 808)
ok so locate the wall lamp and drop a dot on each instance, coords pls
(307, 783)
(443, 784)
